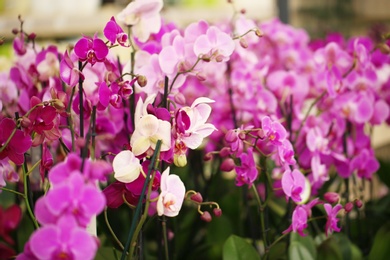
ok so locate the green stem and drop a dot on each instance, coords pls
(81, 102)
(164, 230)
(12, 191)
(70, 119)
(26, 196)
(111, 230)
(133, 234)
(307, 114)
(262, 219)
(8, 140)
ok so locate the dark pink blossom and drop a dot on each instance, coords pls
(9, 221)
(247, 172)
(274, 131)
(17, 146)
(91, 49)
(46, 161)
(114, 33)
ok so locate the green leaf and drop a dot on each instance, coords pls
(278, 251)
(381, 246)
(107, 253)
(297, 251)
(383, 172)
(329, 250)
(307, 242)
(237, 248)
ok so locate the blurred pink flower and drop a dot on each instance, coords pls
(114, 33)
(143, 16)
(68, 72)
(331, 223)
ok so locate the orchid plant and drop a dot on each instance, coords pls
(254, 114)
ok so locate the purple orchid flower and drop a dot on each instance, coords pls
(91, 49)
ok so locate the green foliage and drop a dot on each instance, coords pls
(237, 248)
(301, 247)
(381, 247)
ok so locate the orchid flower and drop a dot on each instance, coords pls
(172, 195)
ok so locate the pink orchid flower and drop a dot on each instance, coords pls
(126, 166)
(331, 223)
(68, 72)
(191, 123)
(172, 195)
(294, 184)
(143, 16)
(214, 45)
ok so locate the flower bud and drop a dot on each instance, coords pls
(197, 197)
(348, 207)
(243, 43)
(200, 76)
(180, 99)
(358, 203)
(219, 58)
(217, 212)
(142, 81)
(26, 122)
(58, 104)
(231, 136)
(332, 197)
(384, 48)
(205, 58)
(259, 33)
(228, 165)
(225, 152)
(15, 31)
(243, 11)
(261, 134)
(206, 216)
(208, 157)
(32, 36)
(242, 135)
(180, 160)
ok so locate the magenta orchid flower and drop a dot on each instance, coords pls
(72, 197)
(247, 172)
(299, 217)
(17, 146)
(143, 16)
(172, 195)
(126, 166)
(332, 220)
(114, 33)
(68, 72)
(91, 49)
(66, 241)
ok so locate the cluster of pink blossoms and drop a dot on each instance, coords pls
(255, 90)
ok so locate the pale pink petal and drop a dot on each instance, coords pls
(126, 166)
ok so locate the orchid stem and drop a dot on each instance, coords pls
(111, 230)
(12, 191)
(8, 140)
(164, 230)
(70, 119)
(27, 197)
(81, 102)
(133, 233)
